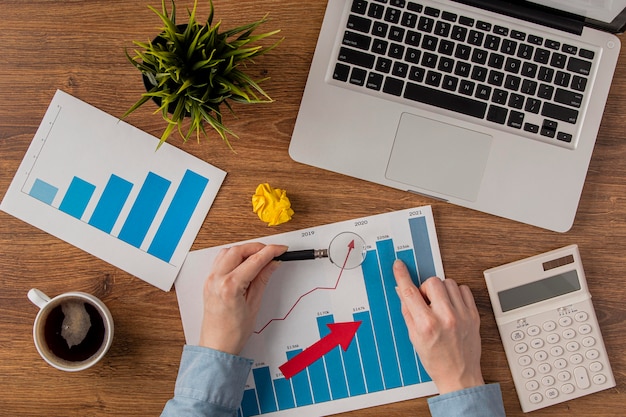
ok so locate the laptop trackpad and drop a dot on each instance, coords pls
(439, 157)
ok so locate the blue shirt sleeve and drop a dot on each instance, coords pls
(481, 401)
(209, 383)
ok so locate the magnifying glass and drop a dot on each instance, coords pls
(346, 250)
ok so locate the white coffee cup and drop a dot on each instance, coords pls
(72, 331)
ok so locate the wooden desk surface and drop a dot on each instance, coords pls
(78, 46)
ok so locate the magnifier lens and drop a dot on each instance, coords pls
(347, 250)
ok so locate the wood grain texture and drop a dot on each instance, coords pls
(78, 46)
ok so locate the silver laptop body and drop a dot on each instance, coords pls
(520, 145)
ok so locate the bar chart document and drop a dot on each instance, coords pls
(330, 336)
(100, 184)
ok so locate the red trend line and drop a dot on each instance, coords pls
(350, 248)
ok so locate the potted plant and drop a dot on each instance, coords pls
(190, 70)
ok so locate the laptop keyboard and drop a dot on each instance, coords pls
(517, 80)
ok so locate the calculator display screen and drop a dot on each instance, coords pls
(534, 292)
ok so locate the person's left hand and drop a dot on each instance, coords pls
(233, 292)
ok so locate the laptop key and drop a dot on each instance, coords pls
(497, 114)
(354, 57)
(579, 66)
(358, 23)
(445, 100)
(564, 114)
(342, 72)
(393, 86)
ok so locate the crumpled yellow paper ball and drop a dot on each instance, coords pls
(271, 205)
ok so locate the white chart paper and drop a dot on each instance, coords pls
(380, 365)
(100, 184)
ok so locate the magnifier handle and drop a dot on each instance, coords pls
(302, 255)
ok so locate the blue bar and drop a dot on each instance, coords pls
(77, 197)
(423, 251)
(334, 366)
(301, 384)
(249, 405)
(408, 257)
(380, 320)
(354, 371)
(284, 394)
(369, 355)
(144, 209)
(264, 389)
(178, 215)
(43, 191)
(110, 204)
(404, 348)
(319, 381)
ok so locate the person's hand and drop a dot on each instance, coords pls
(232, 294)
(443, 324)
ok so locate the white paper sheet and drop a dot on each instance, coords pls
(303, 296)
(100, 184)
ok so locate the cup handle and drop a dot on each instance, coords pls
(38, 298)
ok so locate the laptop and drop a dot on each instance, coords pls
(491, 105)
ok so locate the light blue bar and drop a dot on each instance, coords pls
(334, 366)
(264, 389)
(380, 320)
(319, 381)
(110, 204)
(178, 215)
(144, 209)
(284, 394)
(77, 197)
(43, 191)
(301, 384)
(404, 348)
(369, 354)
(249, 405)
(408, 257)
(421, 246)
(354, 371)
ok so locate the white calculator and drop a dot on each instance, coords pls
(549, 328)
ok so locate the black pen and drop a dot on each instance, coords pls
(302, 255)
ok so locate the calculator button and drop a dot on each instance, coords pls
(564, 376)
(584, 329)
(533, 330)
(541, 355)
(588, 341)
(532, 385)
(544, 368)
(524, 360)
(567, 388)
(565, 321)
(582, 377)
(556, 351)
(592, 354)
(536, 343)
(528, 373)
(548, 380)
(576, 359)
(553, 338)
(569, 334)
(521, 348)
(517, 335)
(552, 393)
(549, 326)
(572, 346)
(535, 398)
(599, 379)
(595, 366)
(560, 363)
(581, 316)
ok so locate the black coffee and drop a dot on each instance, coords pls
(56, 337)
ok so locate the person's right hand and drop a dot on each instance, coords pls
(443, 324)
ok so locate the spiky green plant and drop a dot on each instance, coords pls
(191, 69)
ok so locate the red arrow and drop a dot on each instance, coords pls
(340, 334)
